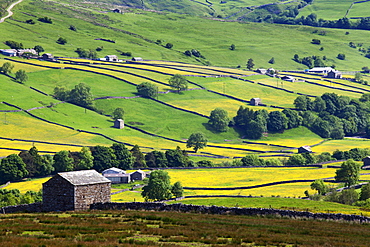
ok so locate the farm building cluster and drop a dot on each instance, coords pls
(77, 190)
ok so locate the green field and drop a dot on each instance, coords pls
(136, 31)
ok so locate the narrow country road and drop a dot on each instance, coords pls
(9, 9)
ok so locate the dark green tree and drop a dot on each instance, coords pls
(177, 158)
(38, 49)
(349, 173)
(252, 160)
(277, 121)
(320, 186)
(124, 158)
(254, 130)
(177, 190)
(62, 41)
(232, 47)
(147, 89)
(365, 192)
(348, 196)
(179, 82)
(12, 168)
(63, 162)
(104, 158)
(158, 188)
(197, 141)
(294, 120)
(81, 95)
(169, 45)
(250, 64)
(296, 160)
(21, 76)
(139, 159)
(272, 60)
(219, 120)
(85, 159)
(118, 113)
(156, 159)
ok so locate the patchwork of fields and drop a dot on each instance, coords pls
(163, 123)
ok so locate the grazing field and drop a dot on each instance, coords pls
(328, 10)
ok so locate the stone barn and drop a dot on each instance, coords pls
(304, 149)
(366, 165)
(119, 124)
(76, 190)
(256, 101)
(138, 175)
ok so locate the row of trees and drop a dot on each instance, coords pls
(14, 197)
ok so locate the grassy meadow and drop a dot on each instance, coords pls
(137, 31)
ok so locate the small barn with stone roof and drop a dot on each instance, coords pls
(75, 190)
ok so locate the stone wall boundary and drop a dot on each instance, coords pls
(262, 212)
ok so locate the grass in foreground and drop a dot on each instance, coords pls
(132, 228)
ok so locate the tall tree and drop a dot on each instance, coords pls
(158, 188)
(177, 158)
(85, 159)
(250, 64)
(179, 82)
(124, 158)
(365, 192)
(349, 173)
(139, 159)
(277, 121)
(320, 186)
(197, 141)
(63, 162)
(219, 120)
(104, 157)
(21, 76)
(36, 164)
(12, 168)
(82, 96)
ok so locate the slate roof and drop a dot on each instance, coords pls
(84, 177)
(114, 169)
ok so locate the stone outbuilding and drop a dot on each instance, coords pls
(75, 190)
(137, 59)
(47, 56)
(138, 175)
(256, 101)
(335, 74)
(366, 165)
(111, 58)
(288, 78)
(119, 124)
(261, 71)
(304, 149)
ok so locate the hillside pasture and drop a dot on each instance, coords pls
(328, 10)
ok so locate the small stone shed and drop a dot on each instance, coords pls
(75, 190)
(119, 124)
(256, 101)
(334, 74)
(138, 175)
(366, 165)
(304, 149)
(137, 59)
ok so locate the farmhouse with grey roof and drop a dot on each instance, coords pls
(75, 190)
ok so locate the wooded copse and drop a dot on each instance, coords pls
(329, 116)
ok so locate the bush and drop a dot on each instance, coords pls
(62, 41)
(45, 20)
(316, 41)
(341, 56)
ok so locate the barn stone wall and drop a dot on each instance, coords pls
(85, 195)
(58, 195)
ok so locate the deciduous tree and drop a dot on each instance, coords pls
(147, 89)
(21, 76)
(12, 168)
(349, 173)
(158, 188)
(179, 82)
(219, 120)
(197, 141)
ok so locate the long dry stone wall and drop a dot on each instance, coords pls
(228, 210)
